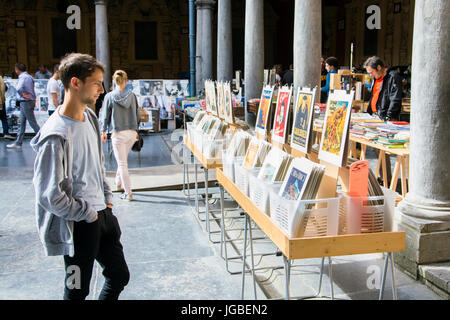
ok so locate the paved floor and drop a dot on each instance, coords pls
(166, 246)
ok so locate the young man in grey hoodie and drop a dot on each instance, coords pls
(73, 199)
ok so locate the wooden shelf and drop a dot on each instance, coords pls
(207, 163)
(314, 247)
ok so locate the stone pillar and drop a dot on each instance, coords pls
(224, 42)
(307, 44)
(198, 53)
(424, 214)
(102, 40)
(204, 40)
(254, 52)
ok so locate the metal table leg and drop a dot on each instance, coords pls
(383, 277)
(287, 275)
(251, 254)
(196, 187)
(244, 256)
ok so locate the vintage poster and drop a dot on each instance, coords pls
(252, 153)
(303, 113)
(228, 104)
(220, 101)
(281, 115)
(264, 110)
(336, 124)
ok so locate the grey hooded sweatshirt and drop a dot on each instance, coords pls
(120, 111)
(56, 209)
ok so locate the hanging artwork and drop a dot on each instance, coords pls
(303, 113)
(335, 128)
(264, 110)
(228, 104)
(281, 115)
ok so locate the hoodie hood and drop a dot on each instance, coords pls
(122, 98)
(53, 126)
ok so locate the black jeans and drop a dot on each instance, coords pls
(99, 240)
(4, 120)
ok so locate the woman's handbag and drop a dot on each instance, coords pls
(137, 146)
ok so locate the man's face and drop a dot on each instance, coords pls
(91, 88)
(56, 75)
(375, 73)
(17, 71)
(42, 69)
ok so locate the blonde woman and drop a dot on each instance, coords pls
(121, 114)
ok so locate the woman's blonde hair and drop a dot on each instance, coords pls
(119, 77)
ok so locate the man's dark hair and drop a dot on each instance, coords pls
(332, 61)
(22, 67)
(55, 68)
(374, 62)
(42, 66)
(77, 65)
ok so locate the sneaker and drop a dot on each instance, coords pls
(126, 196)
(7, 136)
(13, 146)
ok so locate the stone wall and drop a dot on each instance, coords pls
(32, 45)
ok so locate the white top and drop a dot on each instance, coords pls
(53, 87)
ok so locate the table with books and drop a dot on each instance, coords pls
(292, 197)
(205, 138)
(369, 132)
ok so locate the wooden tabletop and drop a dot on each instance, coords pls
(314, 247)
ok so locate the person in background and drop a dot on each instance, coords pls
(3, 118)
(331, 65)
(43, 73)
(27, 99)
(121, 112)
(288, 77)
(53, 91)
(278, 71)
(73, 199)
(323, 79)
(385, 98)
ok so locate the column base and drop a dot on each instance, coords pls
(427, 254)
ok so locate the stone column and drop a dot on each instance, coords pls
(224, 42)
(424, 214)
(198, 53)
(204, 9)
(307, 44)
(254, 52)
(102, 39)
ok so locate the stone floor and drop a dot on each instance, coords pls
(166, 246)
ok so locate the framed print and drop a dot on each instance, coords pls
(220, 100)
(281, 115)
(303, 114)
(228, 104)
(264, 110)
(335, 127)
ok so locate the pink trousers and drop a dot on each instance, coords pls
(122, 142)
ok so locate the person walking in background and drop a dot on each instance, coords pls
(73, 199)
(331, 65)
(43, 73)
(53, 91)
(121, 113)
(27, 99)
(288, 77)
(3, 117)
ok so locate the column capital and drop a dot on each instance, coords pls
(205, 4)
(101, 2)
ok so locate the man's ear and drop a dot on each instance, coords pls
(75, 83)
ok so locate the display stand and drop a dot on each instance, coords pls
(315, 247)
